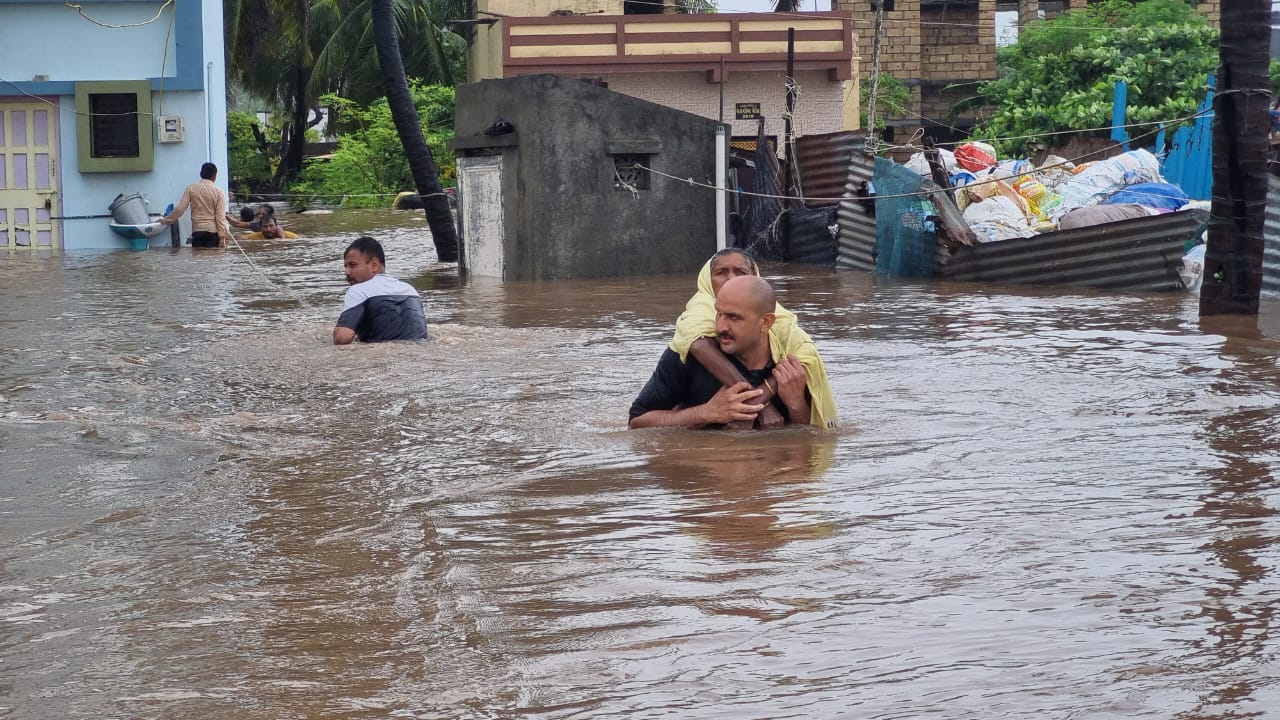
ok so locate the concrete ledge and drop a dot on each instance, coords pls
(481, 142)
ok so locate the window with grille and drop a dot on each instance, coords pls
(113, 125)
(630, 172)
(114, 131)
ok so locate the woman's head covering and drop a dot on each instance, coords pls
(704, 275)
(785, 338)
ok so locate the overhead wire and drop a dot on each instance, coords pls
(80, 9)
(1064, 164)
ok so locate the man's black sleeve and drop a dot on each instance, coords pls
(665, 389)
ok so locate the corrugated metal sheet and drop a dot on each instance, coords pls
(1271, 240)
(856, 239)
(823, 162)
(1140, 254)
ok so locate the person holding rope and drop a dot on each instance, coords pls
(208, 210)
(252, 219)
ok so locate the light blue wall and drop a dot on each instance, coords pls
(68, 48)
(56, 41)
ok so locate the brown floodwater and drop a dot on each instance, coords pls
(1042, 503)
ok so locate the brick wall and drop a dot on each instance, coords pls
(958, 42)
(928, 48)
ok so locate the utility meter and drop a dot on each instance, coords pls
(169, 129)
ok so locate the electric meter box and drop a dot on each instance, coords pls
(169, 129)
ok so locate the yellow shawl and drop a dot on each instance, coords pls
(257, 235)
(785, 338)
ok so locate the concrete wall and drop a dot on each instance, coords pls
(820, 107)
(562, 216)
(53, 40)
(484, 57)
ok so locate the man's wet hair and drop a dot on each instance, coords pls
(246, 214)
(208, 171)
(368, 247)
(267, 209)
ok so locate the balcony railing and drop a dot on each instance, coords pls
(647, 43)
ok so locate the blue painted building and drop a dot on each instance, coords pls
(103, 98)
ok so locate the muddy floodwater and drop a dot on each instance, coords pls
(1041, 503)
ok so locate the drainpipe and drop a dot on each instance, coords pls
(208, 116)
(721, 180)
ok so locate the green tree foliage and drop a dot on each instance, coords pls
(288, 53)
(249, 158)
(1060, 75)
(892, 98)
(369, 167)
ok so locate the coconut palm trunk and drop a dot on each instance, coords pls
(1233, 257)
(426, 176)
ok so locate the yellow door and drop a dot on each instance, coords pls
(29, 175)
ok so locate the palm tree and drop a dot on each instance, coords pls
(426, 176)
(290, 52)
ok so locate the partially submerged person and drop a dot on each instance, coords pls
(208, 206)
(377, 307)
(270, 231)
(696, 331)
(252, 219)
(685, 393)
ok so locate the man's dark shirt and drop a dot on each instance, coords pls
(383, 308)
(676, 385)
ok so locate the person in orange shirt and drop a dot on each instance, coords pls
(208, 210)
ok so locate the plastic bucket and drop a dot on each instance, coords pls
(130, 209)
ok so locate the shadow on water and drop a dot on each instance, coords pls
(1239, 604)
(744, 495)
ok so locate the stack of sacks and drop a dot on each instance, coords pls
(1097, 181)
(920, 164)
(1099, 214)
(1055, 171)
(1132, 201)
(975, 156)
(998, 217)
(1160, 196)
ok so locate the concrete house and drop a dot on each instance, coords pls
(561, 179)
(725, 66)
(100, 99)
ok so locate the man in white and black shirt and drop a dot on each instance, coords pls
(377, 307)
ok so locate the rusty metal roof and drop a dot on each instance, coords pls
(1139, 254)
(857, 228)
(823, 163)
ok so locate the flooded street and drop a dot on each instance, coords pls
(1042, 503)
